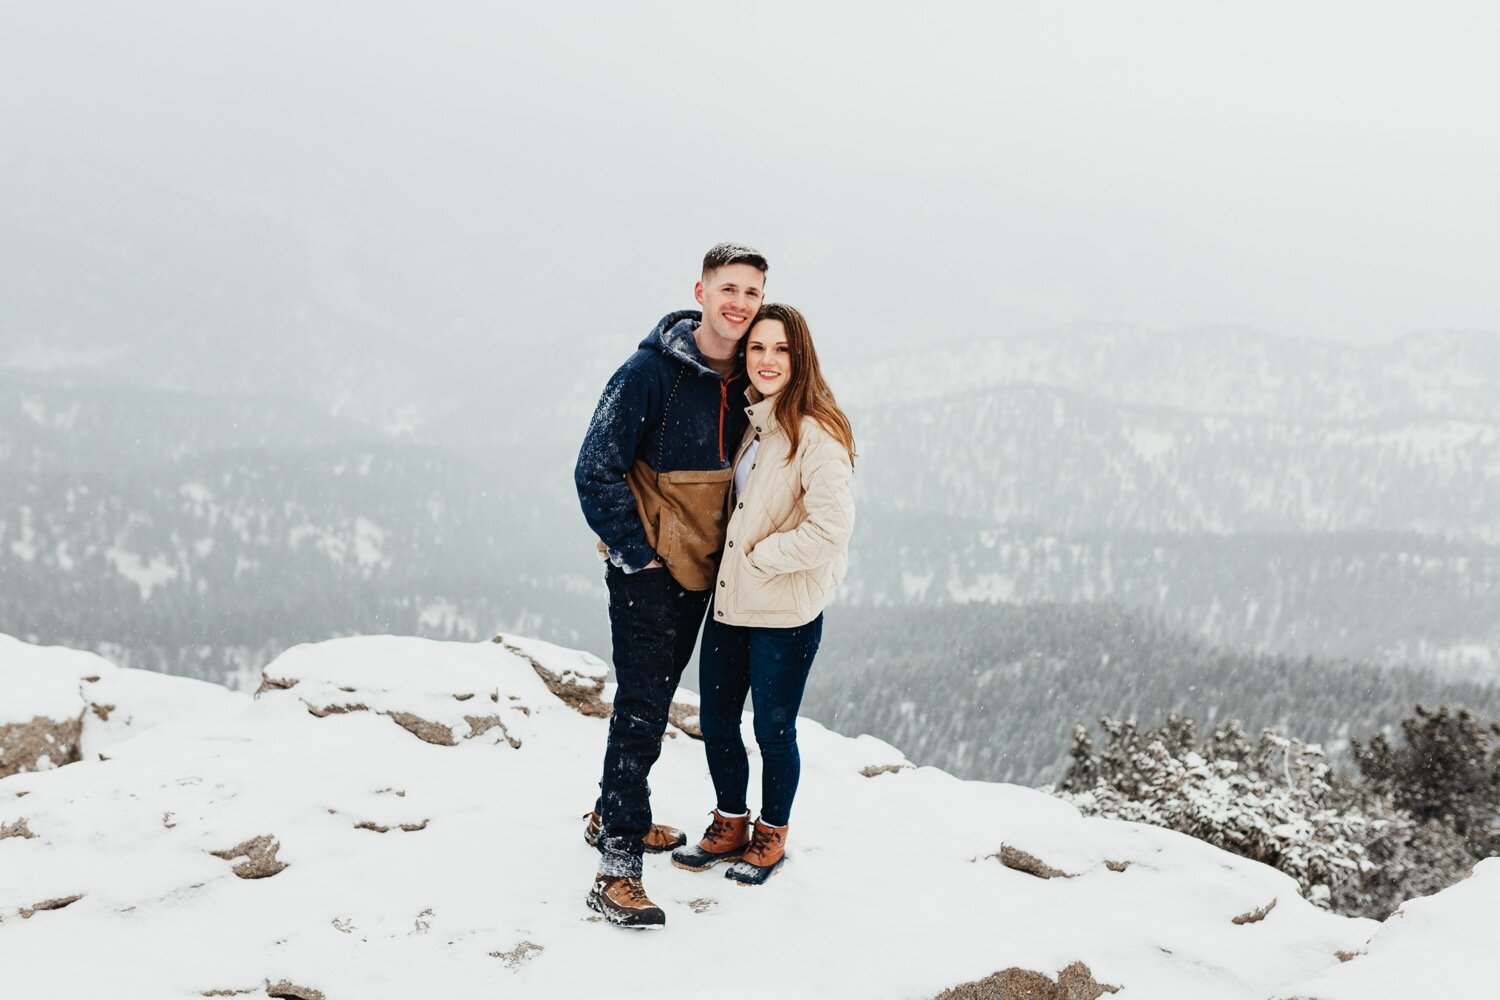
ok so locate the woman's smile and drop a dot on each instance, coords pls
(768, 356)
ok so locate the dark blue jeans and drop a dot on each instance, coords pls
(654, 626)
(771, 665)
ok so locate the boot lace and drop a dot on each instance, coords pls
(762, 841)
(634, 892)
(717, 828)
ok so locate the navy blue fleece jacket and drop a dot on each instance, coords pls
(666, 407)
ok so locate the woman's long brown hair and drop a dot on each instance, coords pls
(807, 393)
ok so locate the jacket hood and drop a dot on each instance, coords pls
(673, 336)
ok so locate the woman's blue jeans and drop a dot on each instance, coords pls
(771, 666)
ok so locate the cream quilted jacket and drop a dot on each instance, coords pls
(788, 539)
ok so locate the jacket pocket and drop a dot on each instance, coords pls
(759, 591)
(691, 525)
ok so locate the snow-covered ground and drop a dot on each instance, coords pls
(395, 817)
(1440, 946)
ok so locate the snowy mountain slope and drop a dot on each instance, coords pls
(397, 817)
(151, 509)
(1088, 464)
(1274, 495)
(81, 426)
(204, 535)
(1073, 462)
(1211, 371)
(1397, 599)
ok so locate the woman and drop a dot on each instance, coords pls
(785, 552)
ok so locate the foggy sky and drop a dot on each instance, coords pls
(914, 171)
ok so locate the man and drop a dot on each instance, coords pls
(653, 476)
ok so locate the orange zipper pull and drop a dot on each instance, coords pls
(723, 408)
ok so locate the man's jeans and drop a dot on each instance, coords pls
(771, 665)
(654, 623)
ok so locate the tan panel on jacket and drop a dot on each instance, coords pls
(683, 514)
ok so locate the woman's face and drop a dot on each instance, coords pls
(768, 357)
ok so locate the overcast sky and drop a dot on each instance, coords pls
(912, 170)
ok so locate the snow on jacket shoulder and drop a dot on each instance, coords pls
(653, 472)
(788, 538)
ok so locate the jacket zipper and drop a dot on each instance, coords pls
(723, 409)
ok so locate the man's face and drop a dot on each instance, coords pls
(730, 296)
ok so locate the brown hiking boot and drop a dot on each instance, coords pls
(762, 858)
(724, 840)
(622, 900)
(659, 839)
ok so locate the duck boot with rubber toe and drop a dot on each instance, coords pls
(764, 856)
(658, 840)
(725, 840)
(622, 900)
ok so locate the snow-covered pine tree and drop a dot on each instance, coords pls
(1275, 800)
(1447, 773)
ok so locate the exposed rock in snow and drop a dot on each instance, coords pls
(1073, 983)
(879, 757)
(38, 743)
(18, 828)
(41, 711)
(576, 677)
(1256, 915)
(1085, 846)
(259, 854)
(439, 699)
(27, 912)
(1019, 860)
(62, 705)
(684, 714)
(401, 863)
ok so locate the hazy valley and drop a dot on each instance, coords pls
(201, 534)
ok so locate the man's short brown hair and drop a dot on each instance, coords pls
(733, 253)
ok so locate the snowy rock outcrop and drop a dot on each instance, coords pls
(1073, 983)
(575, 677)
(38, 743)
(393, 816)
(41, 704)
(578, 678)
(437, 696)
(59, 705)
